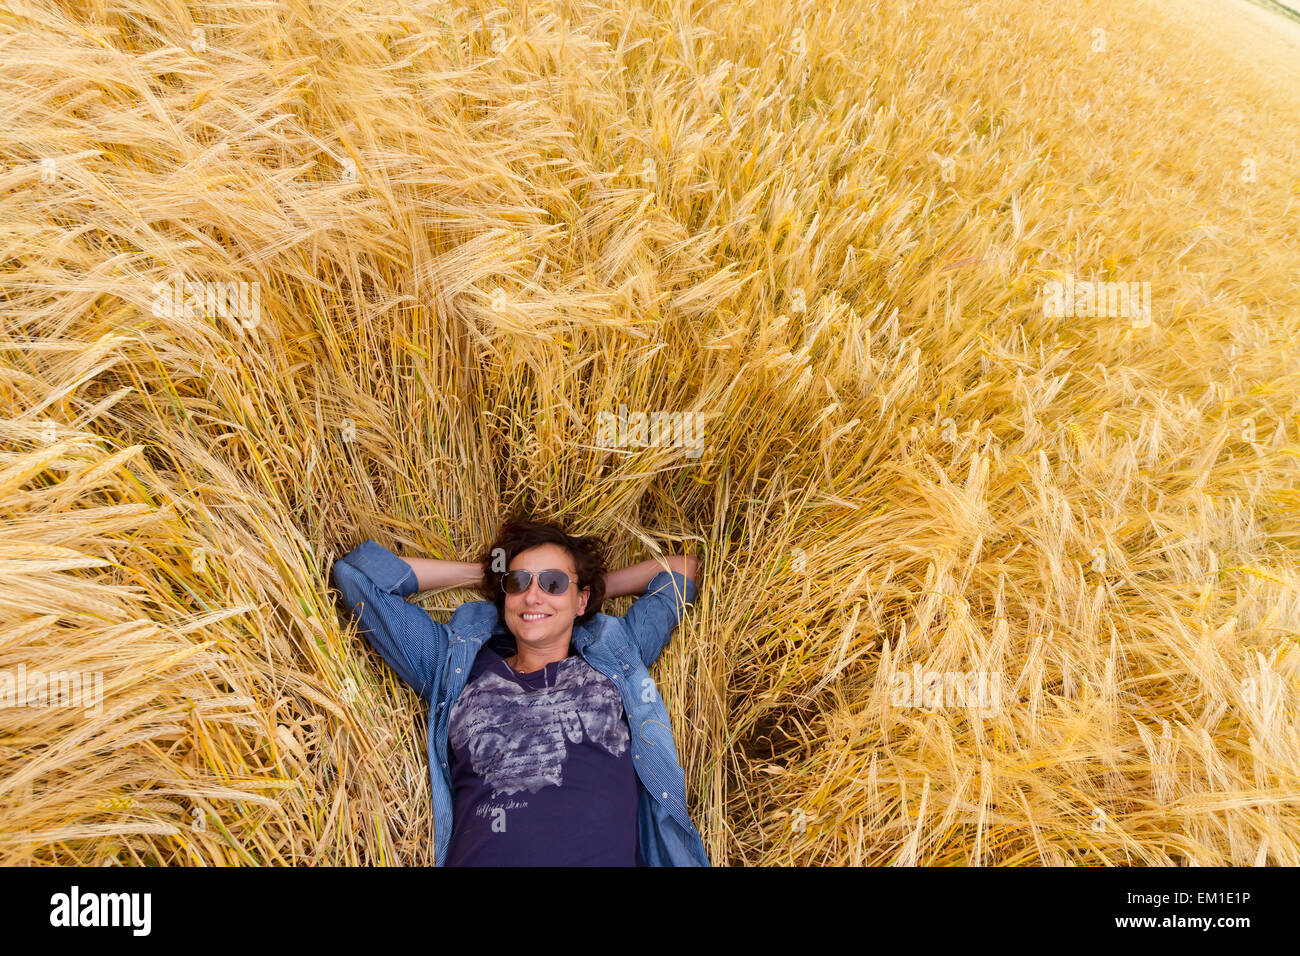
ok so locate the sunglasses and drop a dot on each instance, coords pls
(551, 581)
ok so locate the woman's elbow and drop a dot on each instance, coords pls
(687, 566)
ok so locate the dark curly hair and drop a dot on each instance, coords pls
(519, 532)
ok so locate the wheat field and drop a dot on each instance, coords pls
(281, 275)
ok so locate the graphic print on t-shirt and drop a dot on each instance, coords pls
(580, 705)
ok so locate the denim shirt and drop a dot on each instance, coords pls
(435, 660)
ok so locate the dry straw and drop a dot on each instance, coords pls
(432, 242)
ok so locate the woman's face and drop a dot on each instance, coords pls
(537, 619)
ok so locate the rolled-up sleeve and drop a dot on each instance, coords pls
(652, 617)
(374, 583)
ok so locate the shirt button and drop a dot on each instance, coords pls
(444, 763)
(665, 796)
(457, 670)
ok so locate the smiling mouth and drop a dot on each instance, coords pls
(530, 617)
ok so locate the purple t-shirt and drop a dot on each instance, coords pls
(541, 766)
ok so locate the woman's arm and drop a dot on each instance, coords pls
(633, 579)
(434, 575)
(375, 584)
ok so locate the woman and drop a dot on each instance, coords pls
(548, 743)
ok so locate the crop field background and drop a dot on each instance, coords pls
(985, 314)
